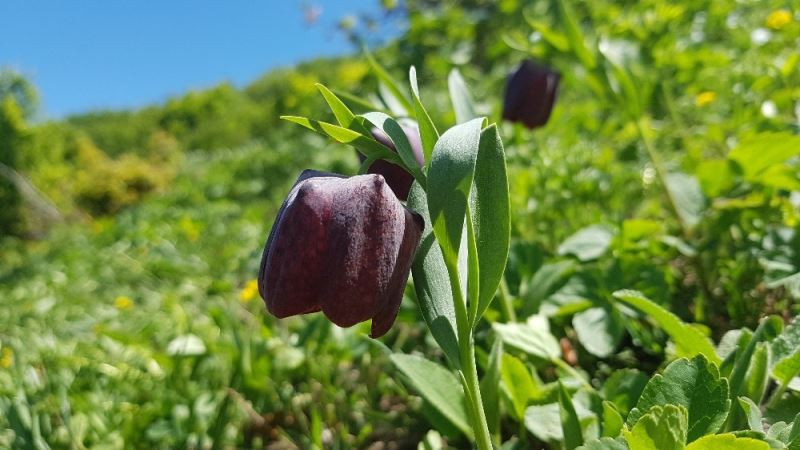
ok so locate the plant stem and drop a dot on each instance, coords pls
(506, 302)
(469, 370)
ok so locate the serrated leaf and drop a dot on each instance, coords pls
(432, 283)
(599, 330)
(427, 129)
(604, 443)
(662, 428)
(695, 385)
(624, 387)
(438, 386)
(570, 423)
(460, 97)
(727, 441)
(587, 243)
(688, 340)
(535, 341)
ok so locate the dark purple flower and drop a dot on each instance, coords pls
(396, 177)
(343, 246)
(530, 94)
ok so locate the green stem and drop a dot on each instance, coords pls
(469, 370)
(561, 364)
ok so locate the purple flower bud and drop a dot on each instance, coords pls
(530, 94)
(396, 177)
(343, 246)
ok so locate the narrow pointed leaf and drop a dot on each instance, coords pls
(388, 81)
(570, 423)
(343, 114)
(460, 97)
(395, 132)
(427, 129)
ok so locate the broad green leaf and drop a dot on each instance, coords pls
(547, 280)
(662, 428)
(427, 130)
(574, 35)
(599, 330)
(786, 353)
(432, 441)
(388, 82)
(612, 420)
(366, 145)
(432, 283)
(753, 414)
(449, 183)
(438, 386)
(490, 387)
(490, 208)
(588, 243)
(529, 337)
(459, 95)
(758, 153)
(343, 114)
(688, 197)
(518, 383)
(544, 421)
(688, 340)
(395, 132)
(604, 443)
(570, 423)
(697, 386)
(727, 441)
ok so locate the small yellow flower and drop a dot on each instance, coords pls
(779, 18)
(249, 291)
(705, 98)
(6, 357)
(123, 303)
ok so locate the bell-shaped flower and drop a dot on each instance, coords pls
(343, 246)
(530, 94)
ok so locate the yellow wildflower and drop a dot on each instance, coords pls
(249, 291)
(779, 18)
(6, 357)
(705, 98)
(123, 303)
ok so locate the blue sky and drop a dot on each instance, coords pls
(110, 54)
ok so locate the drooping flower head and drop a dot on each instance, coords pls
(530, 94)
(343, 246)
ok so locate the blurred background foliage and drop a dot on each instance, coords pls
(129, 240)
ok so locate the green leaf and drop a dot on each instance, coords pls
(786, 353)
(518, 383)
(758, 153)
(388, 82)
(395, 132)
(574, 35)
(427, 130)
(624, 387)
(604, 443)
(689, 200)
(612, 420)
(727, 441)
(358, 101)
(688, 340)
(588, 243)
(662, 428)
(490, 208)
(459, 95)
(758, 373)
(438, 386)
(532, 338)
(432, 441)
(366, 145)
(544, 421)
(753, 413)
(697, 386)
(570, 423)
(432, 283)
(599, 330)
(343, 114)
(547, 280)
(449, 183)
(490, 387)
